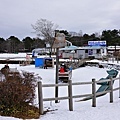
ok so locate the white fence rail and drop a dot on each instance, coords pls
(71, 96)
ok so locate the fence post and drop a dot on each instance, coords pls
(93, 93)
(119, 86)
(40, 97)
(70, 95)
(111, 90)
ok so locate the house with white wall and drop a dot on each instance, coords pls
(83, 52)
(92, 52)
(95, 49)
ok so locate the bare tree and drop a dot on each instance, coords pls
(45, 29)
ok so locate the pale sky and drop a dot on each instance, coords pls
(88, 16)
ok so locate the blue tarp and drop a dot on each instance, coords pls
(39, 62)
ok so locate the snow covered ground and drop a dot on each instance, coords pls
(81, 110)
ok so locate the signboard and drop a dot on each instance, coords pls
(59, 40)
(97, 43)
(90, 52)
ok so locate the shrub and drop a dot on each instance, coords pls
(17, 93)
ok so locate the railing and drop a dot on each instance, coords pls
(71, 96)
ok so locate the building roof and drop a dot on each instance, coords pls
(113, 47)
(72, 47)
(91, 47)
(81, 48)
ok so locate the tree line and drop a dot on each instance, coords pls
(15, 45)
(46, 30)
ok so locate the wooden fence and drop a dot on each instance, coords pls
(70, 96)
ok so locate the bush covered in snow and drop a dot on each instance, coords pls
(17, 92)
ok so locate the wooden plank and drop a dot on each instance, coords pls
(55, 85)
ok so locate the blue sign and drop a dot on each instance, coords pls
(97, 43)
(90, 52)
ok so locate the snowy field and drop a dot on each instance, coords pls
(81, 110)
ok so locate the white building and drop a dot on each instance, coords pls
(112, 49)
(83, 52)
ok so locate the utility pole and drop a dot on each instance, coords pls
(59, 42)
(57, 63)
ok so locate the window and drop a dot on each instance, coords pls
(90, 52)
(98, 51)
(102, 50)
(86, 51)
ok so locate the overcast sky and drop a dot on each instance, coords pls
(88, 16)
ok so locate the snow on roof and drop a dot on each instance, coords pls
(69, 48)
(113, 47)
(92, 47)
(82, 48)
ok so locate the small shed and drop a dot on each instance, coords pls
(40, 62)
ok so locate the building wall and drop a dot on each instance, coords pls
(69, 55)
(81, 54)
(85, 53)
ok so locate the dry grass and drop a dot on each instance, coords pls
(28, 112)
